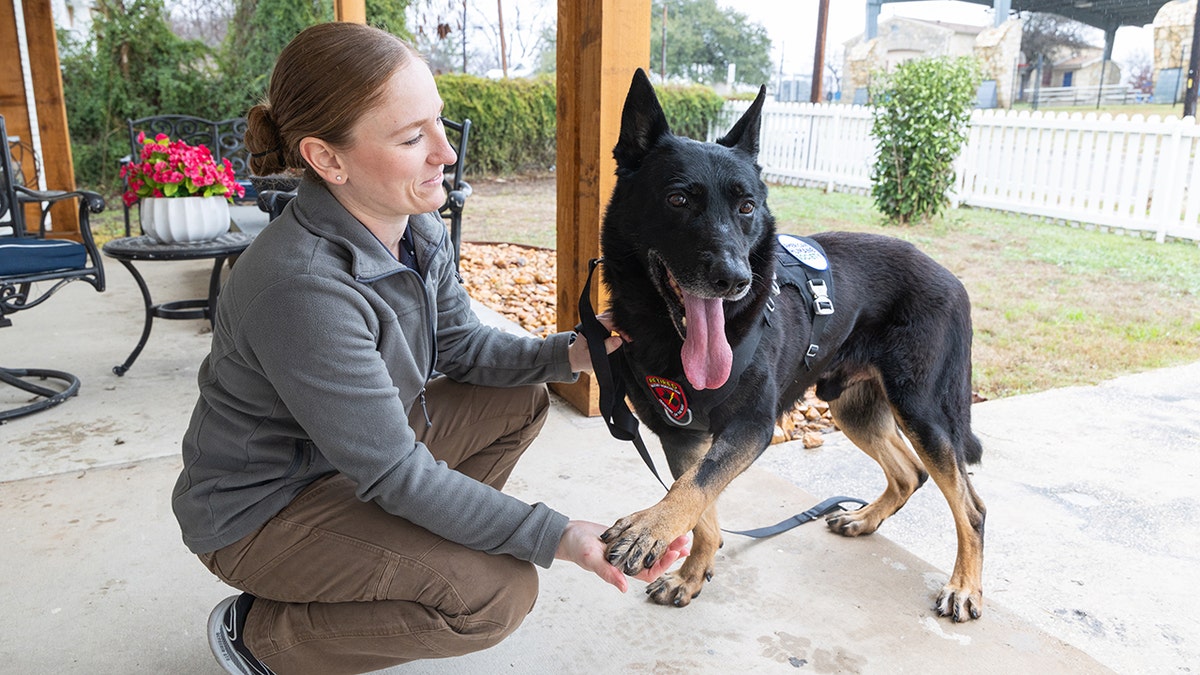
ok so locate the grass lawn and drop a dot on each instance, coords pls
(1053, 305)
(1163, 110)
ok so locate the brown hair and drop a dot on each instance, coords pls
(324, 80)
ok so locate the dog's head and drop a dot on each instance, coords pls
(690, 218)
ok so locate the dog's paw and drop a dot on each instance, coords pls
(854, 523)
(676, 588)
(961, 604)
(633, 545)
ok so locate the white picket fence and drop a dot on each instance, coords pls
(1128, 174)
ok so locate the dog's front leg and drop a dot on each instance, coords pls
(636, 541)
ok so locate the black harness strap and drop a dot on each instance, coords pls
(624, 426)
(620, 420)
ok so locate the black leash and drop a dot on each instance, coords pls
(624, 426)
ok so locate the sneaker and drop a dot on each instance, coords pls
(225, 626)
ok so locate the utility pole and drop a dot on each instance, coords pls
(464, 36)
(503, 46)
(1189, 99)
(662, 73)
(818, 78)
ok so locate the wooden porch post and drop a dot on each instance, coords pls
(47, 107)
(350, 10)
(600, 44)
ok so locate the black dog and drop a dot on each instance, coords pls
(720, 346)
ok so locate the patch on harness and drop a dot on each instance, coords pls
(672, 398)
(804, 252)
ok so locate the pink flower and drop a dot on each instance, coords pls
(192, 169)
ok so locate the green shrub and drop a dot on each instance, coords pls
(690, 109)
(512, 121)
(919, 124)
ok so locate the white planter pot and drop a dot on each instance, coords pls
(169, 220)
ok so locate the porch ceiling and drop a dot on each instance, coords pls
(1098, 13)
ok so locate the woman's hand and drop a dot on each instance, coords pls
(581, 360)
(580, 544)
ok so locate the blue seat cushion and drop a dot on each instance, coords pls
(34, 256)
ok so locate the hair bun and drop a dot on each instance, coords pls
(267, 153)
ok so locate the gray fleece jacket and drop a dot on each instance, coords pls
(322, 344)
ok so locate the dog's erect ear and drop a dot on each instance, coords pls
(744, 134)
(642, 123)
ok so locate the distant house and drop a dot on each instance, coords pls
(73, 16)
(901, 39)
(1071, 68)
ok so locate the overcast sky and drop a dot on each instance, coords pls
(791, 24)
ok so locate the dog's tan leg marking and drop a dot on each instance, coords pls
(863, 414)
(636, 541)
(962, 597)
(679, 587)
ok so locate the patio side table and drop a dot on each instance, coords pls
(128, 250)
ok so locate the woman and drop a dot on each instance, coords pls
(353, 499)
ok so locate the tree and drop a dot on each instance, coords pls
(703, 39)
(1050, 36)
(262, 28)
(919, 124)
(1141, 72)
(130, 66)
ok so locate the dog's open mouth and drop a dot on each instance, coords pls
(706, 354)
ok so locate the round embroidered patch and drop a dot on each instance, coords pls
(672, 398)
(804, 252)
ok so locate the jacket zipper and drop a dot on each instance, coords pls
(428, 321)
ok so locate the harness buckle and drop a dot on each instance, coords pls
(822, 304)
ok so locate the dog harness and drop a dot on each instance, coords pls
(800, 263)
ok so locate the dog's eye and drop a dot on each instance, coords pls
(746, 208)
(677, 199)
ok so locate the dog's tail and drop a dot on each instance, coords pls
(972, 449)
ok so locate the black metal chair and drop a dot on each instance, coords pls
(225, 138)
(457, 189)
(30, 257)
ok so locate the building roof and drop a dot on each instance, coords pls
(1098, 13)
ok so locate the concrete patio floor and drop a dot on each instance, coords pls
(1090, 560)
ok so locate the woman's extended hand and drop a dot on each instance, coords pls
(580, 544)
(581, 360)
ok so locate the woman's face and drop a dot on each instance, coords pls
(393, 166)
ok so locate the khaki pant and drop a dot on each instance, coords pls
(345, 587)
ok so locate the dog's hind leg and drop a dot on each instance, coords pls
(962, 597)
(862, 412)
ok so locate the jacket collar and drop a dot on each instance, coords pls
(319, 212)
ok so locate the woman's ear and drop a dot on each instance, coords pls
(323, 159)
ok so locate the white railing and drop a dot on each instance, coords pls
(1138, 174)
(1084, 95)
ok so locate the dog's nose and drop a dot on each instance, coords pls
(731, 285)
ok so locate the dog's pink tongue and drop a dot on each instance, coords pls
(707, 357)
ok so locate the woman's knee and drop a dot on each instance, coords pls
(511, 593)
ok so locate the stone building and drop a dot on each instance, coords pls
(901, 39)
(1172, 49)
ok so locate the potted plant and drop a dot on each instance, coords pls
(184, 192)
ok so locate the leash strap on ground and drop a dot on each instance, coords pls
(823, 509)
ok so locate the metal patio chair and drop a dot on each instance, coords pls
(33, 266)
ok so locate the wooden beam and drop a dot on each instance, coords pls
(48, 102)
(350, 10)
(600, 44)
